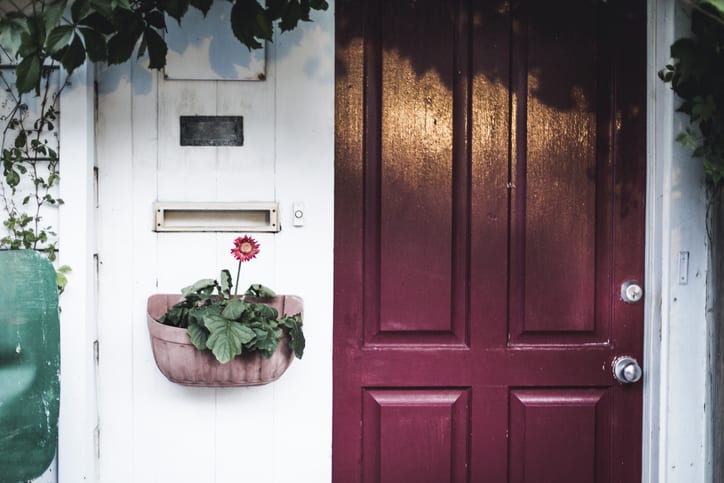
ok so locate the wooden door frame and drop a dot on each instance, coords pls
(677, 440)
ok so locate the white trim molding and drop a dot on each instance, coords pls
(77, 454)
(677, 387)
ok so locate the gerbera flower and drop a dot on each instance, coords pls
(245, 248)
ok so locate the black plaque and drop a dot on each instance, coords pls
(212, 131)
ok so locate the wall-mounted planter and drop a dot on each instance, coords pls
(182, 363)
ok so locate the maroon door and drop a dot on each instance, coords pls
(490, 180)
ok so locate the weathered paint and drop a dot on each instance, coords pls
(29, 365)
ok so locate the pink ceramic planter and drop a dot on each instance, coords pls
(182, 363)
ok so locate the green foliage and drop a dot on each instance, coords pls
(30, 171)
(112, 30)
(229, 326)
(697, 76)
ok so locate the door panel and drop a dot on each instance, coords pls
(490, 161)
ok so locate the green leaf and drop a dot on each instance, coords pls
(205, 285)
(226, 337)
(99, 23)
(74, 56)
(175, 8)
(58, 38)
(79, 9)
(198, 335)
(226, 284)
(243, 22)
(260, 291)
(156, 49)
(12, 26)
(233, 309)
(203, 5)
(121, 45)
(297, 342)
(718, 4)
(53, 12)
(28, 74)
(95, 46)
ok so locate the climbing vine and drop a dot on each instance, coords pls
(696, 74)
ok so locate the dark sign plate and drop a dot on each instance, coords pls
(212, 131)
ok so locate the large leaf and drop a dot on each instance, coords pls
(226, 337)
(28, 74)
(233, 309)
(79, 9)
(156, 49)
(53, 12)
(95, 44)
(12, 26)
(243, 22)
(58, 38)
(198, 336)
(74, 55)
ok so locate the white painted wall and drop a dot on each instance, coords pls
(155, 431)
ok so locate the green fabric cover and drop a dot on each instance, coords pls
(29, 365)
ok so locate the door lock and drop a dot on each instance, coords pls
(626, 370)
(631, 292)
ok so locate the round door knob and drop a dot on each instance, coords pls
(627, 370)
(631, 292)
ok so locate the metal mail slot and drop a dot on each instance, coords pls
(217, 217)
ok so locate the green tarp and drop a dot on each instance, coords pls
(29, 365)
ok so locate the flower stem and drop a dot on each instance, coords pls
(236, 285)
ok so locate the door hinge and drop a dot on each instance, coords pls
(96, 350)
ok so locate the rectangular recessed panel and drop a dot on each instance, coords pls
(415, 435)
(559, 435)
(211, 130)
(411, 173)
(559, 169)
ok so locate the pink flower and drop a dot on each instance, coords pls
(245, 248)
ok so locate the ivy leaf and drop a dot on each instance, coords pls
(79, 9)
(157, 49)
(243, 22)
(203, 5)
(12, 26)
(28, 74)
(121, 45)
(175, 8)
(99, 22)
(58, 38)
(291, 16)
(95, 44)
(226, 337)
(53, 12)
(74, 55)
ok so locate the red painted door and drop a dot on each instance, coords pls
(490, 181)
